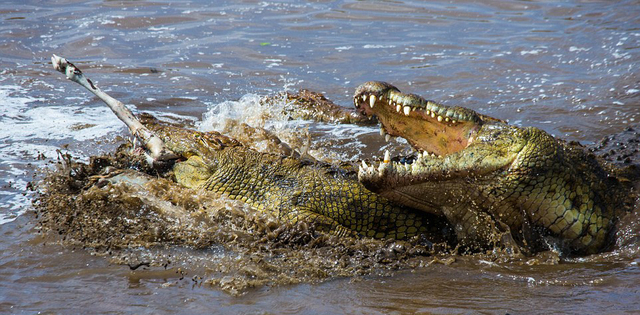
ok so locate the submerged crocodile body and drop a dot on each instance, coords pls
(486, 176)
(474, 180)
(294, 190)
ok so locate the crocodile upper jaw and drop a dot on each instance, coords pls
(426, 125)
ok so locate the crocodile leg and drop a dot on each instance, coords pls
(321, 222)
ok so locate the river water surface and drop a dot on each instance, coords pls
(571, 68)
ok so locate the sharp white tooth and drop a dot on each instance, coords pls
(364, 97)
(382, 133)
(439, 118)
(428, 112)
(387, 156)
(372, 101)
(398, 108)
(364, 165)
(382, 168)
(387, 137)
(453, 121)
(433, 115)
(407, 110)
(447, 119)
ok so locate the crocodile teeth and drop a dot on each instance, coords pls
(433, 115)
(382, 168)
(372, 101)
(364, 165)
(439, 118)
(364, 98)
(382, 132)
(453, 121)
(387, 137)
(407, 110)
(387, 157)
(398, 108)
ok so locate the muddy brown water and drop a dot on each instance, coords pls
(570, 68)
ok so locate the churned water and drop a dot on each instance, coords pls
(571, 68)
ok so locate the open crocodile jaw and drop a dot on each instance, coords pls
(426, 125)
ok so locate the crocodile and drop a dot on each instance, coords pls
(292, 188)
(486, 176)
(476, 181)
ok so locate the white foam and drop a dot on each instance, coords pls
(530, 52)
(574, 48)
(248, 109)
(24, 122)
(371, 46)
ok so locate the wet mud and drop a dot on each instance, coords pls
(117, 208)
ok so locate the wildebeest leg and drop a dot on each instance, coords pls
(156, 149)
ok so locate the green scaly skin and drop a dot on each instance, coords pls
(488, 177)
(330, 198)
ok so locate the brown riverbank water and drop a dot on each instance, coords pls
(569, 68)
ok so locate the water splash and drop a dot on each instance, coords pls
(327, 142)
(24, 123)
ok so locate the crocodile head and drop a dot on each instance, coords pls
(452, 142)
(461, 155)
